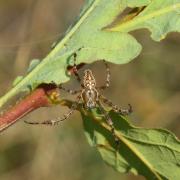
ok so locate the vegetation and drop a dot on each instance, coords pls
(153, 153)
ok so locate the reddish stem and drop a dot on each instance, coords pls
(44, 95)
(38, 98)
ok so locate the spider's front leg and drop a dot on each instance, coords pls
(115, 108)
(58, 119)
(74, 70)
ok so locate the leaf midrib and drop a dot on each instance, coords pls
(131, 147)
(141, 19)
(52, 54)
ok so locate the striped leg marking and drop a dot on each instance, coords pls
(70, 91)
(58, 119)
(115, 108)
(109, 122)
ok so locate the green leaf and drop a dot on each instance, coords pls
(160, 17)
(87, 34)
(17, 80)
(90, 33)
(33, 64)
(153, 153)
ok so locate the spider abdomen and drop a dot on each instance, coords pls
(90, 97)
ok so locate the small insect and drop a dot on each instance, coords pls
(89, 96)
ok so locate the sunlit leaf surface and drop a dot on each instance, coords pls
(154, 153)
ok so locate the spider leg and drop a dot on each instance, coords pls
(109, 122)
(58, 119)
(70, 91)
(115, 108)
(75, 69)
(108, 75)
(75, 72)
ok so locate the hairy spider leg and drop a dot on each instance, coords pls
(58, 119)
(115, 108)
(70, 91)
(75, 72)
(75, 69)
(109, 121)
(111, 124)
(108, 75)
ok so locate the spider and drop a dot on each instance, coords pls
(90, 97)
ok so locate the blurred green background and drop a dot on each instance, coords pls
(151, 83)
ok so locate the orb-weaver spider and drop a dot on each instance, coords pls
(89, 96)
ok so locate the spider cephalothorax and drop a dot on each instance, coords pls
(89, 96)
